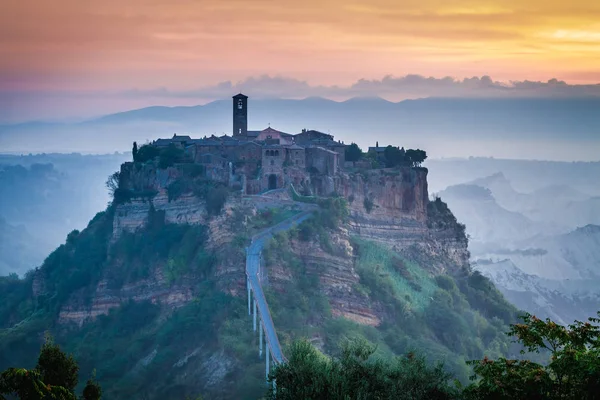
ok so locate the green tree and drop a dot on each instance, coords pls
(169, 156)
(356, 375)
(573, 370)
(53, 378)
(147, 152)
(134, 151)
(353, 152)
(112, 183)
(416, 157)
(215, 200)
(395, 156)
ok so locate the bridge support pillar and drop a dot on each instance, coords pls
(260, 340)
(254, 315)
(268, 359)
(249, 295)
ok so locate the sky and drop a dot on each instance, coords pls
(73, 58)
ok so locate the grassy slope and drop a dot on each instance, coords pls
(447, 319)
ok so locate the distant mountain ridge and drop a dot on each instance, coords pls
(437, 124)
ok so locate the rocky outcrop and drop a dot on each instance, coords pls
(337, 278)
(132, 215)
(387, 206)
(390, 207)
(154, 289)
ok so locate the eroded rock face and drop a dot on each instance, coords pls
(389, 206)
(133, 215)
(230, 271)
(386, 206)
(154, 289)
(337, 278)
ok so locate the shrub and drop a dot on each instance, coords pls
(215, 200)
(368, 203)
(147, 152)
(169, 156)
(177, 188)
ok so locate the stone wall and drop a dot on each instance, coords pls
(321, 160)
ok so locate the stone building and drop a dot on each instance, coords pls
(240, 115)
(264, 159)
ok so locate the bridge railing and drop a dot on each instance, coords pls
(252, 259)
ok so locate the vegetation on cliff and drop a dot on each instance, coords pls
(572, 371)
(140, 347)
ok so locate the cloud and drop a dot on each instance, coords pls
(20, 105)
(390, 87)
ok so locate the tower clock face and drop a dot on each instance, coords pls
(240, 106)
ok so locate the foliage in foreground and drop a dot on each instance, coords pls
(571, 373)
(53, 378)
(357, 375)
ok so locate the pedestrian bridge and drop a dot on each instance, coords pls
(257, 303)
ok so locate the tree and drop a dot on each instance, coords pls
(356, 375)
(92, 390)
(134, 151)
(112, 183)
(53, 378)
(169, 156)
(57, 368)
(353, 152)
(573, 371)
(416, 157)
(147, 152)
(215, 200)
(393, 156)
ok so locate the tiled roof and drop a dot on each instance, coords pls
(253, 133)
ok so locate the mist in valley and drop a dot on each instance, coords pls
(534, 229)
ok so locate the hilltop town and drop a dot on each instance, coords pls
(259, 160)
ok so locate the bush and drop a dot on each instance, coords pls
(368, 203)
(356, 375)
(215, 200)
(147, 152)
(169, 156)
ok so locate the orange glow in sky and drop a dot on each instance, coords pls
(122, 44)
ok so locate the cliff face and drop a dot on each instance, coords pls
(337, 277)
(391, 207)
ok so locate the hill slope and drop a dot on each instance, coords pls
(153, 292)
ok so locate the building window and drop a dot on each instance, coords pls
(240, 131)
(240, 105)
(272, 162)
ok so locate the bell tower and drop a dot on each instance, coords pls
(240, 115)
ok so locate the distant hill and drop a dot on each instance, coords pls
(19, 251)
(513, 128)
(560, 282)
